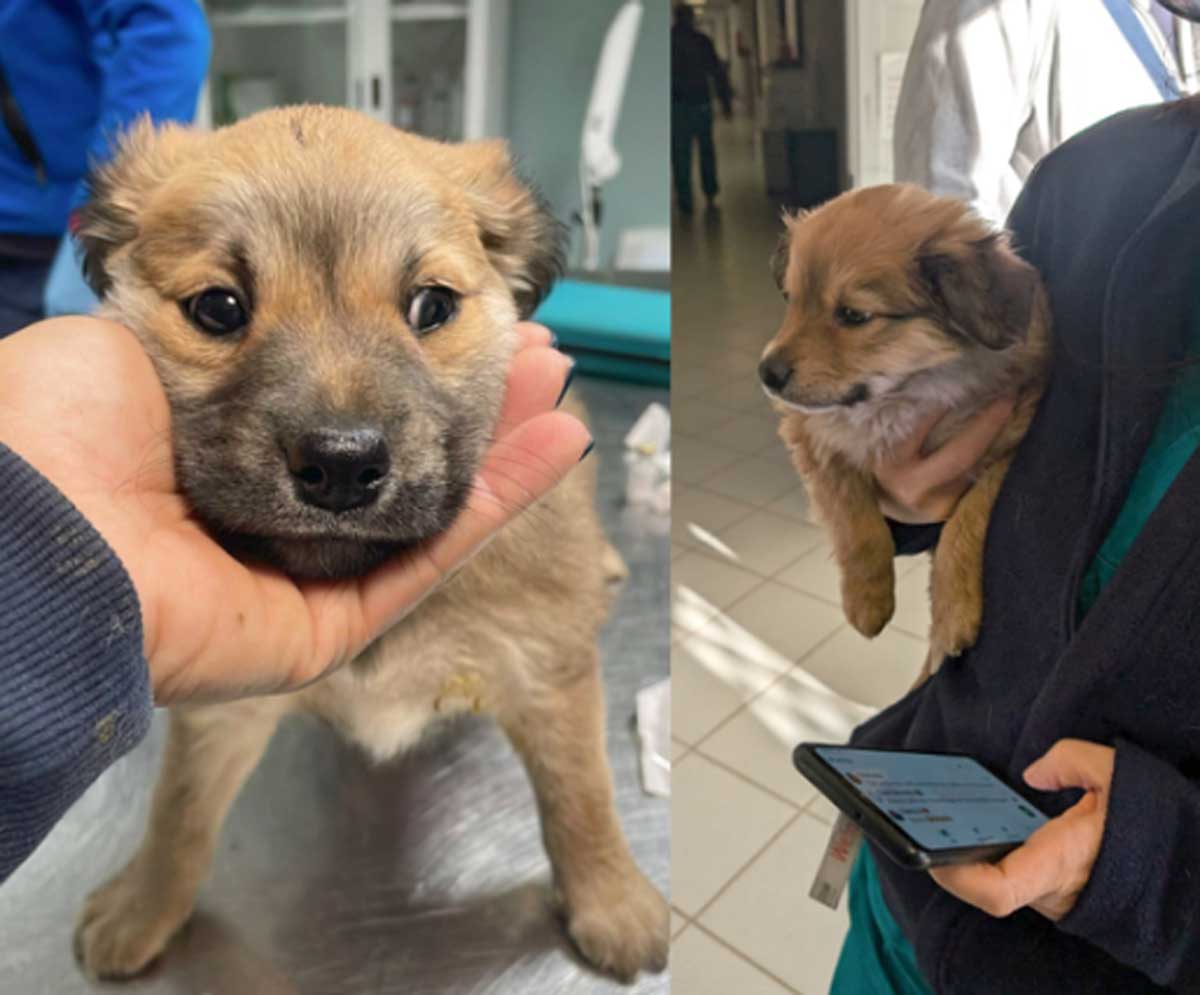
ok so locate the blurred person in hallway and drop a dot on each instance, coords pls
(695, 72)
(991, 86)
(72, 77)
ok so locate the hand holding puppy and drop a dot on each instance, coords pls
(84, 406)
(920, 488)
(1049, 870)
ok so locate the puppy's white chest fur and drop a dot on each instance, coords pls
(429, 668)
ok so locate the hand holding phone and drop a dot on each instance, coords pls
(922, 809)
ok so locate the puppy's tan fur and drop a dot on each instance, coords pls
(329, 215)
(956, 320)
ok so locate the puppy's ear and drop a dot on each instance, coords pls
(783, 249)
(118, 190)
(523, 239)
(779, 259)
(981, 290)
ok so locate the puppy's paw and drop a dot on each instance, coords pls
(956, 621)
(620, 924)
(125, 925)
(869, 606)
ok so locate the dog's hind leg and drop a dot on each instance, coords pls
(615, 917)
(210, 752)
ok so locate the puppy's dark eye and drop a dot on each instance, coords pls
(849, 316)
(217, 311)
(430, 308)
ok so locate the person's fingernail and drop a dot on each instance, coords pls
(553, 341)
(566, 385)
(590, 446)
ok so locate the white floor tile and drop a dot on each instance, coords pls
(767, 914)
(701, 966)
(759, 740)
(787, 622)
(678, 924)
(823, 809)
(745, 433)
(766, 543)
(694, 460)
(697, 516)
(874, 672)
(711, 680)
(754, 480)
(696, 415)
(912, 599)
(690, 612)
(794, 504)
(717, 581)
(816, 573)
(744, 394)
(718, 822)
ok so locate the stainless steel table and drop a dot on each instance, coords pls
(333, 877)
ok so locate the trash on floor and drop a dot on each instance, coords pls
(654, 732)
(648, 460)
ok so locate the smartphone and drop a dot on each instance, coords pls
(921, 809)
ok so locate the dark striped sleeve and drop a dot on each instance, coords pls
(74, 687)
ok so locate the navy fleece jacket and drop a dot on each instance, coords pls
(74, 687)
(80, 71)
(1112, 221)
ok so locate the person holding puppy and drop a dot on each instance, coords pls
(115, 598)
(1082, 686)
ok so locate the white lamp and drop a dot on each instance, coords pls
(599, 160)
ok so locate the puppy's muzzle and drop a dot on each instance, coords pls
(775, 373)
(339, 469)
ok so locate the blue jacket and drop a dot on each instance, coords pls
(1110, 221)
(80, 71)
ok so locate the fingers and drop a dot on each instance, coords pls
(535, 383)
(910, 449)
(1052, 864)
(1072, 763)
(969, 444)
(530, 334)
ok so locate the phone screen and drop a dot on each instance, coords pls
(939, 801)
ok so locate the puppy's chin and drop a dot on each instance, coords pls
(315, 559)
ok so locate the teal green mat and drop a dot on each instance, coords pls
(612, 331)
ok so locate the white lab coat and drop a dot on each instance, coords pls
(991, 86)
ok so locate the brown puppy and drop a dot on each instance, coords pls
(330, 304)
(901, 303)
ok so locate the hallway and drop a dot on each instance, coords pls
(762, 657)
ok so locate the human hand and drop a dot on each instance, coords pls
(1048, 871)
(83, 405)
(920, 488)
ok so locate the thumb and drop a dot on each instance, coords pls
(1072, 763)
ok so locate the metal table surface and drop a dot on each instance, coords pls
(334, 877)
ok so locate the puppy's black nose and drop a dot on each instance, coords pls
(775, 372)
(339, 469)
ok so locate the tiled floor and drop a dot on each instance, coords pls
(761, 655)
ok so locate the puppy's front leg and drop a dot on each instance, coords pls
(616, 918)
(210, 752)
(862, 544)
(956, 584)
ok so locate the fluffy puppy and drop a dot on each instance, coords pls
(330, 304)
(900, 303)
